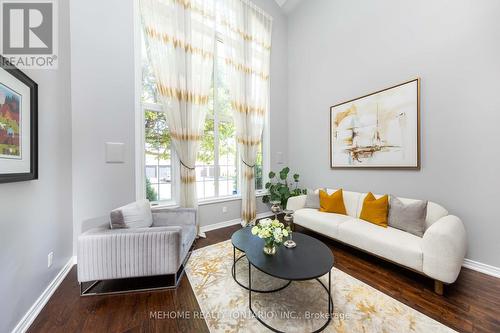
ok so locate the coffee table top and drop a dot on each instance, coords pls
(309, 260)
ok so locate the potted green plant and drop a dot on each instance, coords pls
(281, 187)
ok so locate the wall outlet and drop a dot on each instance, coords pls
(50, 258)
(224, 209)
(279, 158)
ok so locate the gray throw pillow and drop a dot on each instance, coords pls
(312, 199)
(135, 215)
(408, 217)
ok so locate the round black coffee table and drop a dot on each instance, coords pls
(310, 260)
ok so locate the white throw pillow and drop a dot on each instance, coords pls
(135, 215)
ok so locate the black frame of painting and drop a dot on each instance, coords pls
(33, 86)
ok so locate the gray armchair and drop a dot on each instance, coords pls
(162, 249)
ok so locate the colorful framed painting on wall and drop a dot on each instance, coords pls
(18, 125)
(379, 130)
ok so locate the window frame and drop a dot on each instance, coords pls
(140, 163)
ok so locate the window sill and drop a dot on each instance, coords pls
(206, 202)
(166, 204)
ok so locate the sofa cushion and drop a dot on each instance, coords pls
(434, 211)
(351, 201)
(312, 199)
(393, 244)
(375, 210)
(135, 215)
(324, 223)
(408, 217)
(332, 203)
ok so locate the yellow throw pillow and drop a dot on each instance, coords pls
(333, 203)
(375, 210)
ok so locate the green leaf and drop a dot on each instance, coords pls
(284, 191)
(281, 189)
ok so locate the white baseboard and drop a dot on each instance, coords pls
(229, 223)
(35, 309)
(482, 268)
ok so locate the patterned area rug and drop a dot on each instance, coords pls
(300, 307)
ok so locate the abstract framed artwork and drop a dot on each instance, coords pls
(18, 125)
(378, 130)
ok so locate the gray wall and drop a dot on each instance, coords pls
(342, 49)
(102, 76)
(35, 216)
(102, 92)
(279, 79)
(213, 213)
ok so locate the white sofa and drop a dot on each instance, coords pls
(439, 254)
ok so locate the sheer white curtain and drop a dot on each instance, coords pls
(246, 30)
(180, 36)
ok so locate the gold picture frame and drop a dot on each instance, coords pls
(380, 130)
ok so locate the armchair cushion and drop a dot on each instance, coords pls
(176, 216)
(134, 215)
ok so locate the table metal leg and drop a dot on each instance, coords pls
(233, 272)
(234, 262)
(329, 297)
(329, 293)
(250, 285)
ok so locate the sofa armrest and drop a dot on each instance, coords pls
(444, 245)
(105, 253)
(296, 203)
(173, 217)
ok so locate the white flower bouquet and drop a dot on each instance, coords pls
(273, 232)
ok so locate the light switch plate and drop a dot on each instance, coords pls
(115, 152)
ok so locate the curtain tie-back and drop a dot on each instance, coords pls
(184, 165)
(248, 165)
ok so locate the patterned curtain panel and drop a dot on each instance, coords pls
(180, 37)
(247, 38)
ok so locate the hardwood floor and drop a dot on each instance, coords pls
(472, 304)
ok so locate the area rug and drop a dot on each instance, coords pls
(300, 307)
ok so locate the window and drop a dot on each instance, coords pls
(217, 165)
(158, 157)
